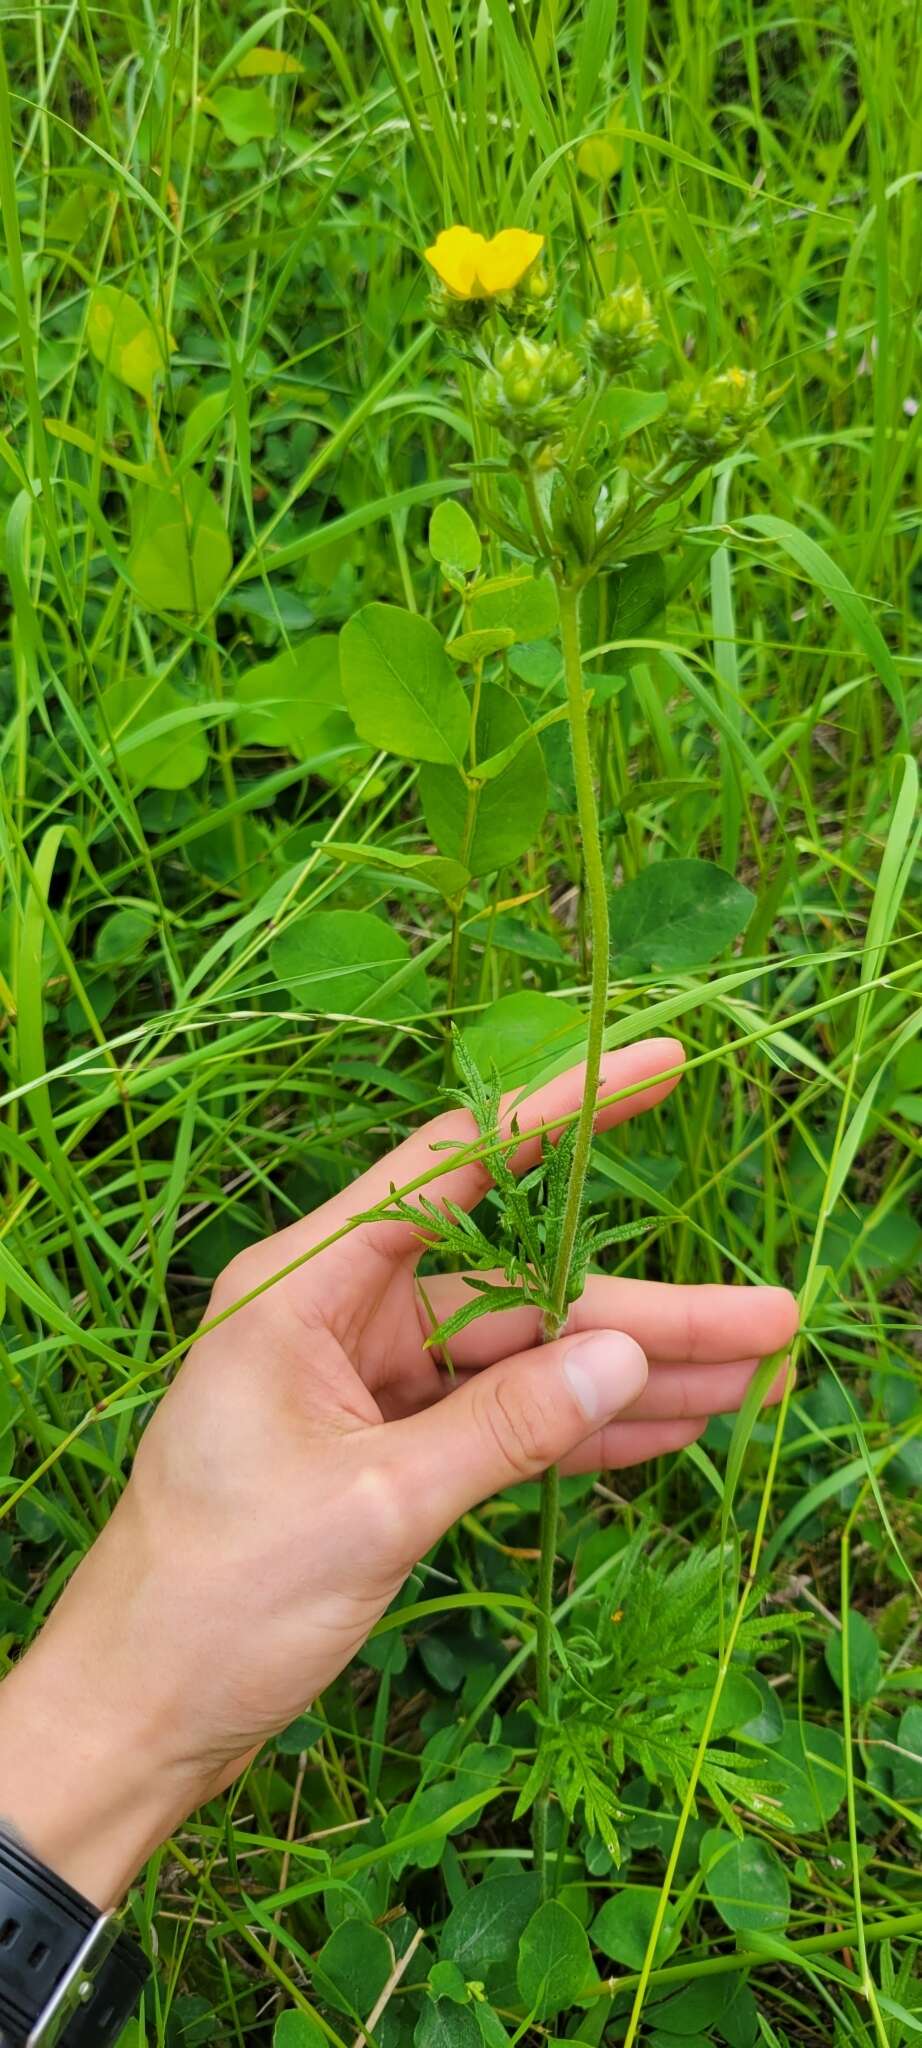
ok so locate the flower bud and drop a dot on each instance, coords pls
(530, 305)
(711, 418)
(530, 389)
(622, 327)
(455, 315)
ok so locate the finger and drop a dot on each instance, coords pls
(681, 1393)
(624, 1444)
(706, 1324)
(692, 1393)
(509, 1424)
(633, 1075)
(639, 1075)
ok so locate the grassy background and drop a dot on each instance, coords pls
(164, 1102)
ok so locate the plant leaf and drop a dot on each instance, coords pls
(400, 687)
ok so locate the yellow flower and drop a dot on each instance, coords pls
(470, 267)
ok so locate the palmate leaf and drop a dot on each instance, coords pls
(577, 1759)
(622, 1233)
(530, 1210)
(665, 1750)
(641, 1664)
(480, 1096)
(558, 1161)
(447, 1229)
(486, 1301)
(591, 1240)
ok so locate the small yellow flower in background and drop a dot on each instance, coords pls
(470, 267)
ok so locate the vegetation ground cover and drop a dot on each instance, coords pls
(257, 471)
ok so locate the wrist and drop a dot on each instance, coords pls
(74, 1787)
(88, 1778)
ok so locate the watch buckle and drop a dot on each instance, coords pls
(76, 1985)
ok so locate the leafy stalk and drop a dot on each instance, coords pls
(597, 896)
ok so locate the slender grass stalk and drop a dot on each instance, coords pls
(594, 871)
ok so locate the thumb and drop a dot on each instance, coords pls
(508, 1424)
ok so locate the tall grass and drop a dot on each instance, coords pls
(164, 1103)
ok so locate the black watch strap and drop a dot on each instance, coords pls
(68, 1974)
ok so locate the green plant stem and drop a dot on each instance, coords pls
(457, 908)
(739, 1959)
(597, 896)
(550, 1516)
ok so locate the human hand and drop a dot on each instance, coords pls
(309, 1452)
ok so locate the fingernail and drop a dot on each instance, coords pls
(604, 1372)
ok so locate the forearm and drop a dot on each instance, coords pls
(87, 1775)
(83, 1804)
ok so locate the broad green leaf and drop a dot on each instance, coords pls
(555, 1967)
(123, 936)
(907, 1767)
(422, 1816)
(623, 1927)
(518, 935)
(634, 597)
(659, 2039)
(699, 2004)
(445, 2024)
(489, 766)
(123, 339)
(747, 1883)
(524, 1033)
(625, 410)
(171, 760)
(454, 541)
(294, 2029)
(677, 914)
(508, 811)
(203, 422)
(600, 157)
(259, 61)
(806, 1771)
(492, 2031)
(482, 1932)
(400, 687)
(337, 961)
(738, 2024)
(864, 1663)
(245, 113)
(527, 605)
(446, 1981)
(295, 701)
(447, 876)
(233, 851)
(467, 648)
(69, 220)
(181, 554)
(767, 1724)
(353, 1967)
(739, 1701)
(304, 1733)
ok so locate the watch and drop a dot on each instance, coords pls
(68, 1974)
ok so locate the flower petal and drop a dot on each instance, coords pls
(503, 262)
(454, 257)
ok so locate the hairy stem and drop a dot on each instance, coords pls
(597, 899)
(470, 820)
